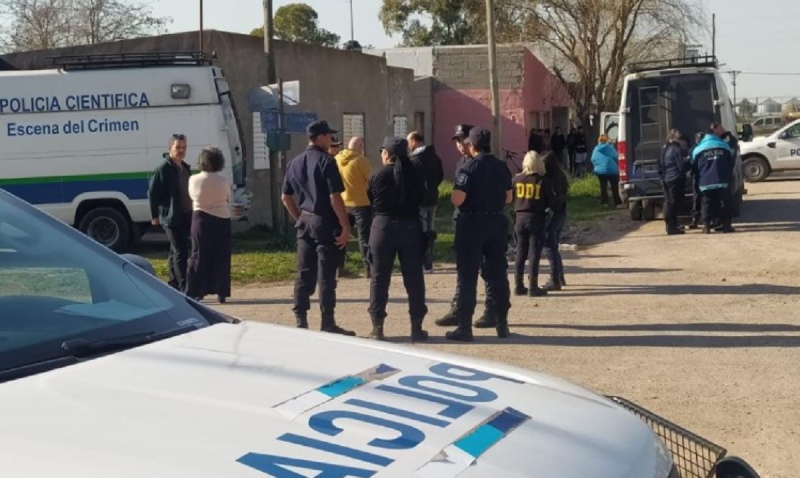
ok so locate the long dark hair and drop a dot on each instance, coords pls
(403, 172)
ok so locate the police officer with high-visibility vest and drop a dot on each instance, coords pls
(488, 319)
(481, 191)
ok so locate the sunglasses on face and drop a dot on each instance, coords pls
(179, 137)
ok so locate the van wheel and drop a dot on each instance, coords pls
(636, 210)
(756, 169)
(648, 210)
(108, 227)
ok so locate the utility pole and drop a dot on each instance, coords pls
(275, 171)
(201, 26)
(713, 34)
(493, 81)
(734, 74)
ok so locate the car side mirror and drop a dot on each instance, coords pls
(141, 262)
(747, 132)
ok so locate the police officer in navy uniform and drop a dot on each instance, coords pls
(488, 319)
(481, 191)
(396, 193)
(312, 191)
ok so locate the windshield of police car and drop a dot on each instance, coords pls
(57, 284)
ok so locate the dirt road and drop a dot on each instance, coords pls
(703, 329)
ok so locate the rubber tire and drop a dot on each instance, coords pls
(119, 220)
(636, 210)
(648, 210)
(734, 467)
(763, 169)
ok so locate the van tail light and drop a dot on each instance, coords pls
(622, 151)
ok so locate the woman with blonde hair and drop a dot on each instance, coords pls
(534, 198)
(605, 163)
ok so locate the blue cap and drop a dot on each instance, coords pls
(462, 131)
(480, 138)
(318, 128)
(396, 146)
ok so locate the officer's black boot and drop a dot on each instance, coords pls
(329, 325)
(502, 325)
(450, 318)
(519, 287)
(377, 330)
(554, 283)
(302, 322)
(535, 291)
(417, 333)
(561, 279)
(463, 333)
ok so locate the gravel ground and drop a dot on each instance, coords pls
(701, 329)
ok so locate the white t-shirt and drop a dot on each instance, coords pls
(210, 193)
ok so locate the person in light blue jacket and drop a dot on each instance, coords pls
(606, 168)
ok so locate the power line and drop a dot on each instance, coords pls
(768, 73)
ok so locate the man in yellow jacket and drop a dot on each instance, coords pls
(355, 171)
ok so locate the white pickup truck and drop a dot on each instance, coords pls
(764, 155)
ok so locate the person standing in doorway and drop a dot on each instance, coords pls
(171, 208)
(396, 192)
(209, 269)
(355, 170)
(429, 165)
(312, 195)
(606, 168)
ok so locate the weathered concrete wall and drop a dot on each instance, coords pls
(467, 67)
(418, 59)
(332, 82)
(423, 106)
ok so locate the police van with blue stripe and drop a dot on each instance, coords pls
(81, 139)
(106, 371)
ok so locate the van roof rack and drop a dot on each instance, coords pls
(131, 60)
(684, 62)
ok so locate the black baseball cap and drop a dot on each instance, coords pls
(395, 146)
(480, 138)
(318, 128)
(462, 131)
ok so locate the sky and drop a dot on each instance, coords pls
(752, 37)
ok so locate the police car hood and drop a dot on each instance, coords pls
(254, 400)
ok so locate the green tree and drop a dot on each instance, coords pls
(449, 22)
(298, 22)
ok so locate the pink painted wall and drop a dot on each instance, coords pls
(473, 106)
(541, 91)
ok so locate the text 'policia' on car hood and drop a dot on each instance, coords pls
(253, 400)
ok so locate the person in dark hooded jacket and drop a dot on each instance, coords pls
(672, 168)
(429, 164)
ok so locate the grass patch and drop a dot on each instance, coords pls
(262, 255)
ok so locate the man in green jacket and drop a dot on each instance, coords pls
(171, 208)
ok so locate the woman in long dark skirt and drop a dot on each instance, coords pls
(210, 260)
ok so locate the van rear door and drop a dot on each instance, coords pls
(657, 104)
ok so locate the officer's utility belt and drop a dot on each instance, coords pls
(481, 213)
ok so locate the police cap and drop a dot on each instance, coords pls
(335, 141)
(395, 146)
(318, 128)
(480, 138)
(462, 131)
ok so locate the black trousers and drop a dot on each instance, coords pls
(209, 270)
(552, 240)
(396, 238)
(609, 181)
(674, 197)
(178, 234)
(697, 200)
(530, 234)
(489, 303)
(360, 221)
(717, 205)
(317, 260)
(482, 236)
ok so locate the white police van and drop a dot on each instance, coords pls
(80, 140)
(105, 371)
(684, 93)
(779, 151)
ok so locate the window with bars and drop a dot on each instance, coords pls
(400, 126)
(352, 125)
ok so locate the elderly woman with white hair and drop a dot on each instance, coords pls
(534, 199)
